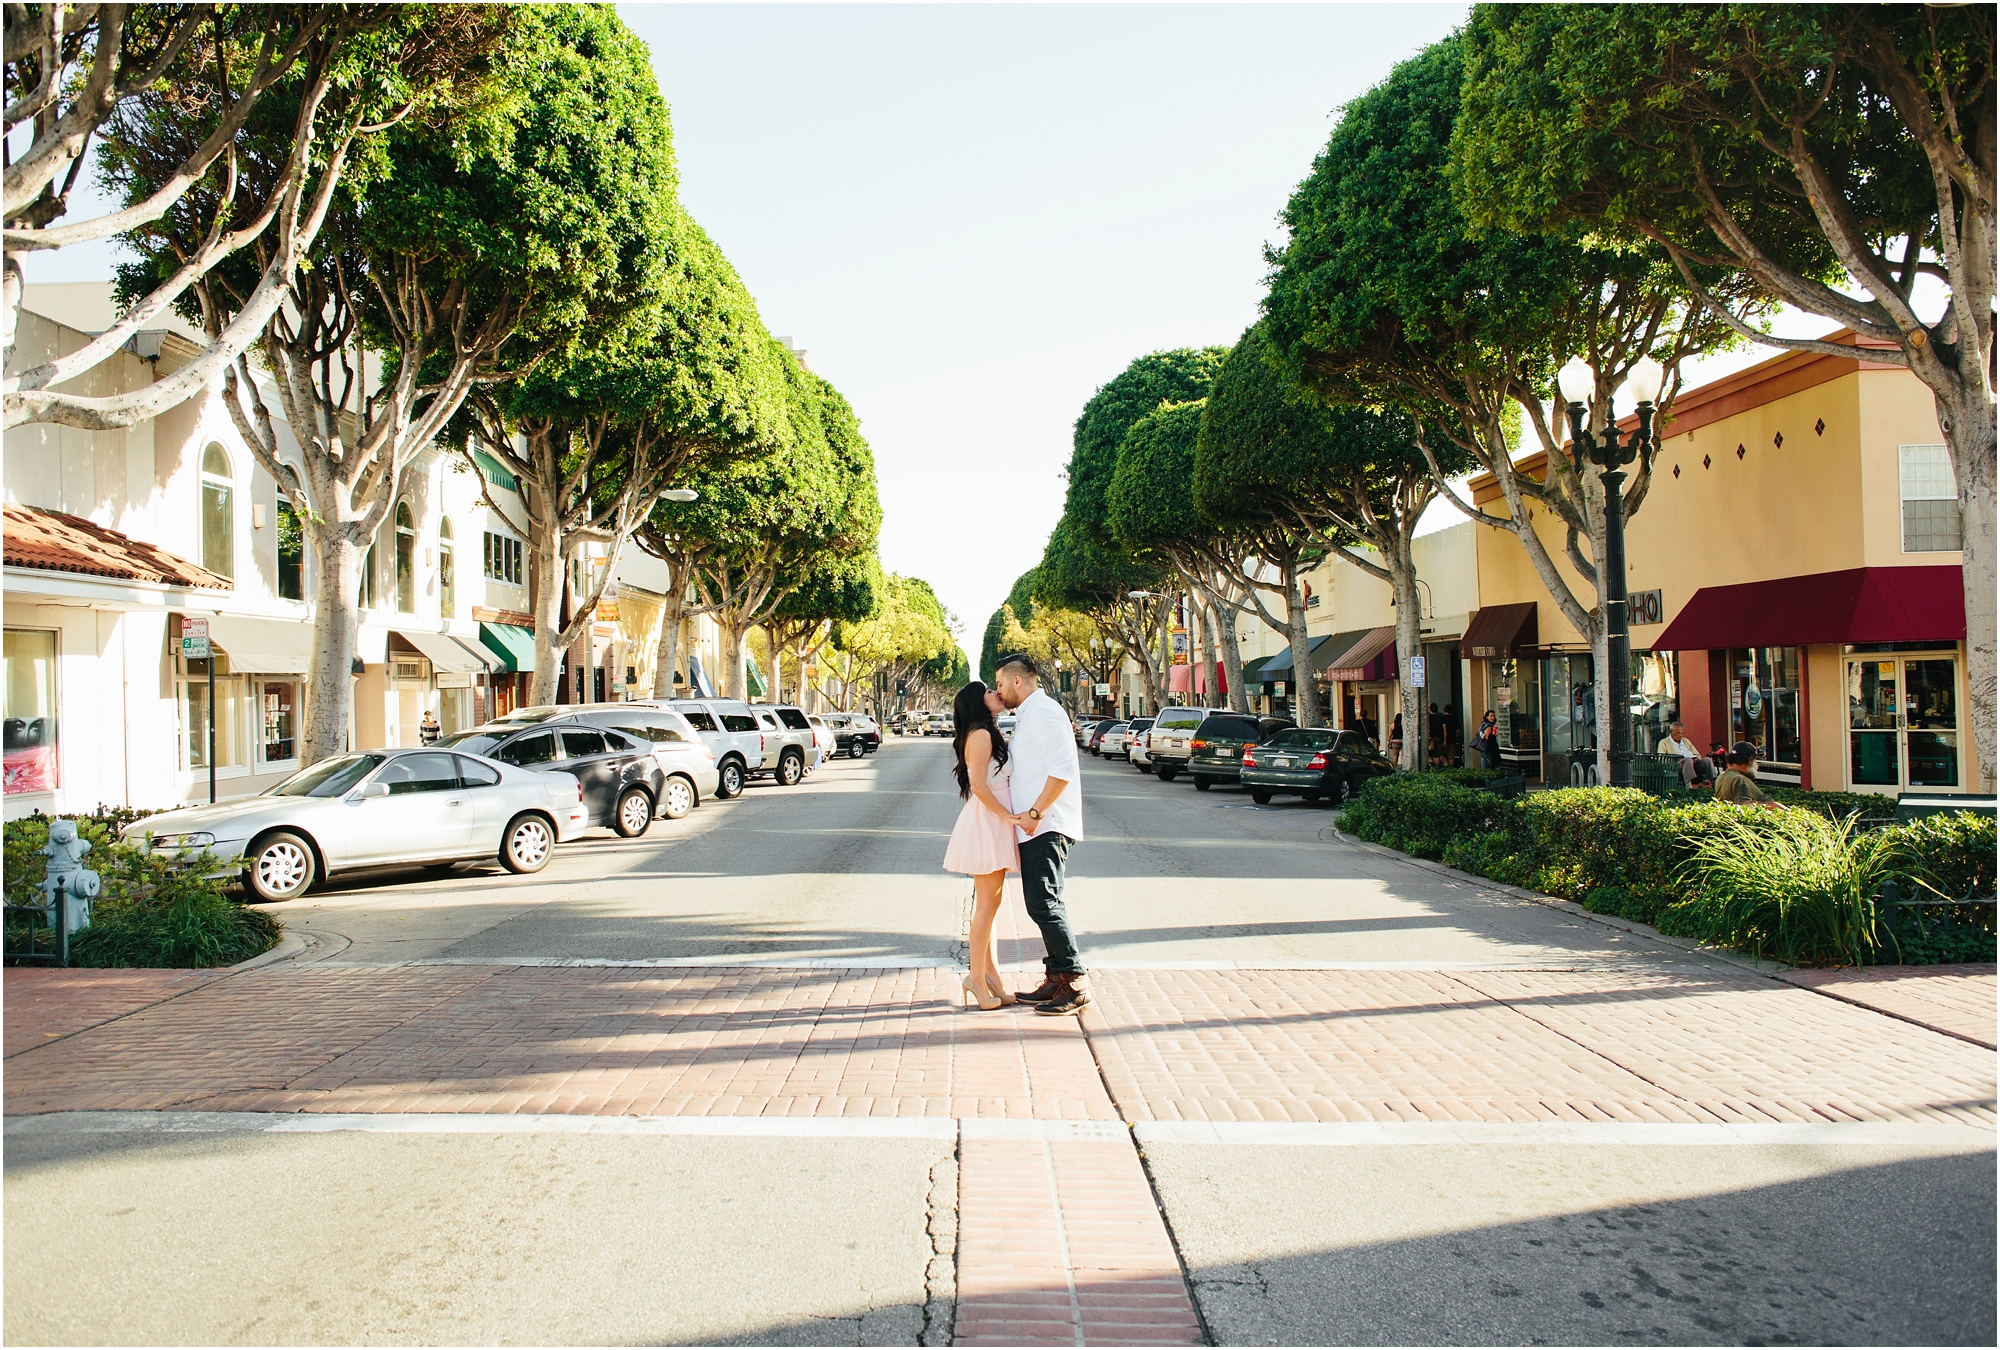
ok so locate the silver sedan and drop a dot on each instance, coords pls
(378, 808)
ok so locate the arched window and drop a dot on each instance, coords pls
(406, 560)
(447, 589)
(218, 513)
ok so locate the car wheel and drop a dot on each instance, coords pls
(279, 867)
(1203, 784)
(729, 779)
(634, 813)
(677, 798)
(791, 768)
(528, 843)
(1167, 773)
(1259, 796)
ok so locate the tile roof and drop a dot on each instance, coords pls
(55, 542)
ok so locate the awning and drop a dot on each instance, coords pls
(447, 657)
(1221, 678)
(264, 646)
(513, 644)
(753, 678)
(1180, 680)
(698, 677)
(1862, 604)
(1319, 651)
(1501, 631)
(1372, 656)
(1253, 671)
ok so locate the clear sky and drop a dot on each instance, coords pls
(973, 216)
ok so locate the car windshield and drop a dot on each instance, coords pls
(329, 777)
(1229, 729)
(1302, 739)
(1186, 721)
(475, 742)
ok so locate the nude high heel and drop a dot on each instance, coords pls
(984, 997)
(1000, 991)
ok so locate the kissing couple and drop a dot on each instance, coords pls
(1023, 812)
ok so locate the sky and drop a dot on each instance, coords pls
(971, 216)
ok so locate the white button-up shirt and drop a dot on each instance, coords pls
(1044, 748)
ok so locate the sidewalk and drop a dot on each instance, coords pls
(1956, 1000)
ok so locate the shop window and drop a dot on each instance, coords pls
(406, 560)
(503, 558)
(1930, 500)
(447, 584)
(1514, 692)
(1656, 698)
(1764, 685)
(278, 721)
(218, 513)
(229, 721)
(31, 711)
(291, 553)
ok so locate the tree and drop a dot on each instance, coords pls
(837, 588)
(490, 241)
(1078, 574)
(902, 641)
(1154, 513)
(1833, 154)
(595, 441)
(172, 94)
(1385, 295)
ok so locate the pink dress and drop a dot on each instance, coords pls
(981, 842)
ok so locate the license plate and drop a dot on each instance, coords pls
(1281, 764)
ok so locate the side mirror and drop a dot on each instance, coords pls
(374, 790)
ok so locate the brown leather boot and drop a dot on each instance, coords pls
(1072, 998)
(1042, 992)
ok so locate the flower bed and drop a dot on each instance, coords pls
(1798, 885)
(150, 912)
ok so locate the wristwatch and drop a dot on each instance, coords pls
(1034, 813)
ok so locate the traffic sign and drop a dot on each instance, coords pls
(194, 639)
(1417, 672)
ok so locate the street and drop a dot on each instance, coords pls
(715, 1085)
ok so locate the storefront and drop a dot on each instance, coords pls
(1361, 681)
(513, 647)
(1852, 680)
(260, 685)
(1274, 676)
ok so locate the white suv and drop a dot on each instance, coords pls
(1168, 741)
(729, 728)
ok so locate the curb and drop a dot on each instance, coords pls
(1768, 969)
(290, 945)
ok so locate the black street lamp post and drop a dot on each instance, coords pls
(1611, 453)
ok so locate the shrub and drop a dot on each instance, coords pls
(1423, 813)
(1791, 885)
(1946, 856)
(1873, 809)
(149, 912)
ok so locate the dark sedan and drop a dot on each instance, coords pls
(1312, 762)
(1216, 752)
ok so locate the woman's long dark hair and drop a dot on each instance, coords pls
(969, 713)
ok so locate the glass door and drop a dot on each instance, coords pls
(1902, 723)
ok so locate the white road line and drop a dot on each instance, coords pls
(1544, 965)
(214, 1122)
(1359, 1133)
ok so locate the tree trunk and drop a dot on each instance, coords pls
(548, 605)
(734, 633)
(1305, 694)
(1207, 612)
(1970, 432)
(665, 663)
(334, 618)
(1409, 643)
(1232, 655)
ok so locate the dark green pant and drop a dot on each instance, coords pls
(1043, 860)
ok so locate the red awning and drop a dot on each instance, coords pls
(1862, 604)
(1177, 680)
(1501, 631)
(1364, 660)
(1201, 678)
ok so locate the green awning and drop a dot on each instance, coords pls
(511, 643)
(496, 474)
(753, 676)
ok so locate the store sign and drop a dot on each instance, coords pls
(1103, 690)
(1280, 687)
(1504, 695)
(1645, 607)
(194, 639)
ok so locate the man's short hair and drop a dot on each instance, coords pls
(1020, 660)
(1742, 753)
(1677, 723)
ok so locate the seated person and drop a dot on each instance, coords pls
(1695, 767)
(1738, 785)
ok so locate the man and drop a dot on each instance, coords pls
(1048, 815)
(1737, 785)
(1695, 766)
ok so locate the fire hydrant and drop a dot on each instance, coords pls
(66, 872)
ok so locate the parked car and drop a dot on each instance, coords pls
(1136, 733)
(1167, 744)
(1216, 752)
(624, 782)
(938, 724)
(379, 808)
(687, 765)
(823, 739)
(730, 730)
(1099, 732)
(790, 749)
(1112, 744)
(1081, 729)
(854, 734)
(1317, 763)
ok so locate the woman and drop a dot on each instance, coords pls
(1486, 740)
(982, 843)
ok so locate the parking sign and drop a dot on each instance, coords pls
(194, 639)
(1417, 672)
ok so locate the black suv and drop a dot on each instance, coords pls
(1216, 753)
(622, 779)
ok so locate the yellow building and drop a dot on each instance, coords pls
(1795, 581)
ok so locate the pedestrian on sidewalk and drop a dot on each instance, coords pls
(1486, 740)
(982, 843)
(1048, 813)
